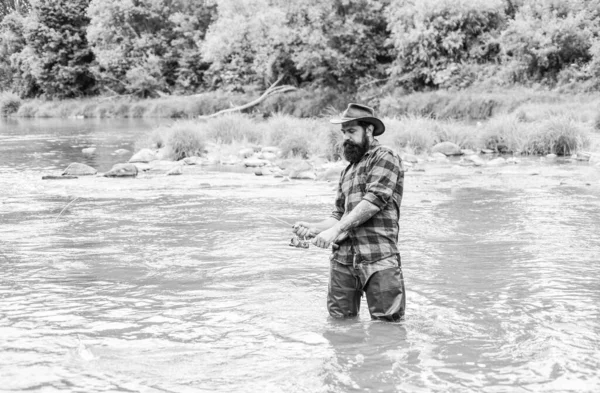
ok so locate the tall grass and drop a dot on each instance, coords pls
(235, 127)
(9, 104)
(305, 138)
(419, 134)
(504, 134)
(185, 139)
(561, 135)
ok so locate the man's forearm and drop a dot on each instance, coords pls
(325, 224)
(359, 215)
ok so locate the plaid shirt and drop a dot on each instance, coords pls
(379, 179)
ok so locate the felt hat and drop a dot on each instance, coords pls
(362, 113)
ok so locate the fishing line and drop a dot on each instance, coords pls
(65, 208)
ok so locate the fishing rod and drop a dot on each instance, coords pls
(296, 241)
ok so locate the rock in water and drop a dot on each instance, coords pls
(255, 163)
(192, 160)
(63, 177)
(77, 169)
(473, 159)
(447, 148)
(305, 175)
(410, 158)
(583, 156)
(178, 170)
(144, 155)
(496, 162)
(246, 152)
(122, 170)
(121, 151)
(89, 150)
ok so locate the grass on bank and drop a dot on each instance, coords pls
(305, 138)
(471, 106)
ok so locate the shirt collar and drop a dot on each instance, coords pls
(373, 146)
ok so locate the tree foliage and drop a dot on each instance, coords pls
(56, 58)
(545, 37)
(435, 38)
(9, 6)
(70, 48)
(143, 46)
(340, 42)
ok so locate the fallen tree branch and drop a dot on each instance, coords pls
(272, 90)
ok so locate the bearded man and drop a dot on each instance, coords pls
(363, 227)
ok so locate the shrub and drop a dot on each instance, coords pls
(155, 139)
(233, 127)
(460, 134)
(561, 135)
(505, 134)
(9, 104)
(416, 134)
(28, 109)
(185, 139)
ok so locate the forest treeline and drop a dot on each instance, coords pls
(74, 48)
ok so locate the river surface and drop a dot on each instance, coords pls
(185, 284)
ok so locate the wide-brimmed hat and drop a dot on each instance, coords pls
(362, 113)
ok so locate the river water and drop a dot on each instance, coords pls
(182, 284)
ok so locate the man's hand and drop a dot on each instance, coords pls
(304, 229)
(325, 238)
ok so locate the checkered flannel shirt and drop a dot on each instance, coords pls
(379, 179)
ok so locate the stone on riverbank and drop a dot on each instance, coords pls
(331, 174)
(473, 160)
(267, 156)
(77, 169)
(177, 170)
(410, 158)
(62, 177)
(246, 153)
(497, 162)
(144, 156)
(583, 156)
(122, 170)
(305, 175)
(255, 163)
(447, 148)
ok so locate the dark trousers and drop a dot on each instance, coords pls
(383, 286)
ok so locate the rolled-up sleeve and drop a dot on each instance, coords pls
(381, 179)
(340, 201)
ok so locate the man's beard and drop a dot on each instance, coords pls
(353, 152)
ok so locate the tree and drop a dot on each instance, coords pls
(12, 42)
(56, 60)
(9, 6)
(338, 43)
(548, 36)
(434, 39)
(154, 41)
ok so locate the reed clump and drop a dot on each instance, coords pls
(305, 138)
(9, 104)
(561, 135)
(185, 139)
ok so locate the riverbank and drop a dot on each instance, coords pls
(464, 105)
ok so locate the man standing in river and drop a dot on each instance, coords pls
(364, 224)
